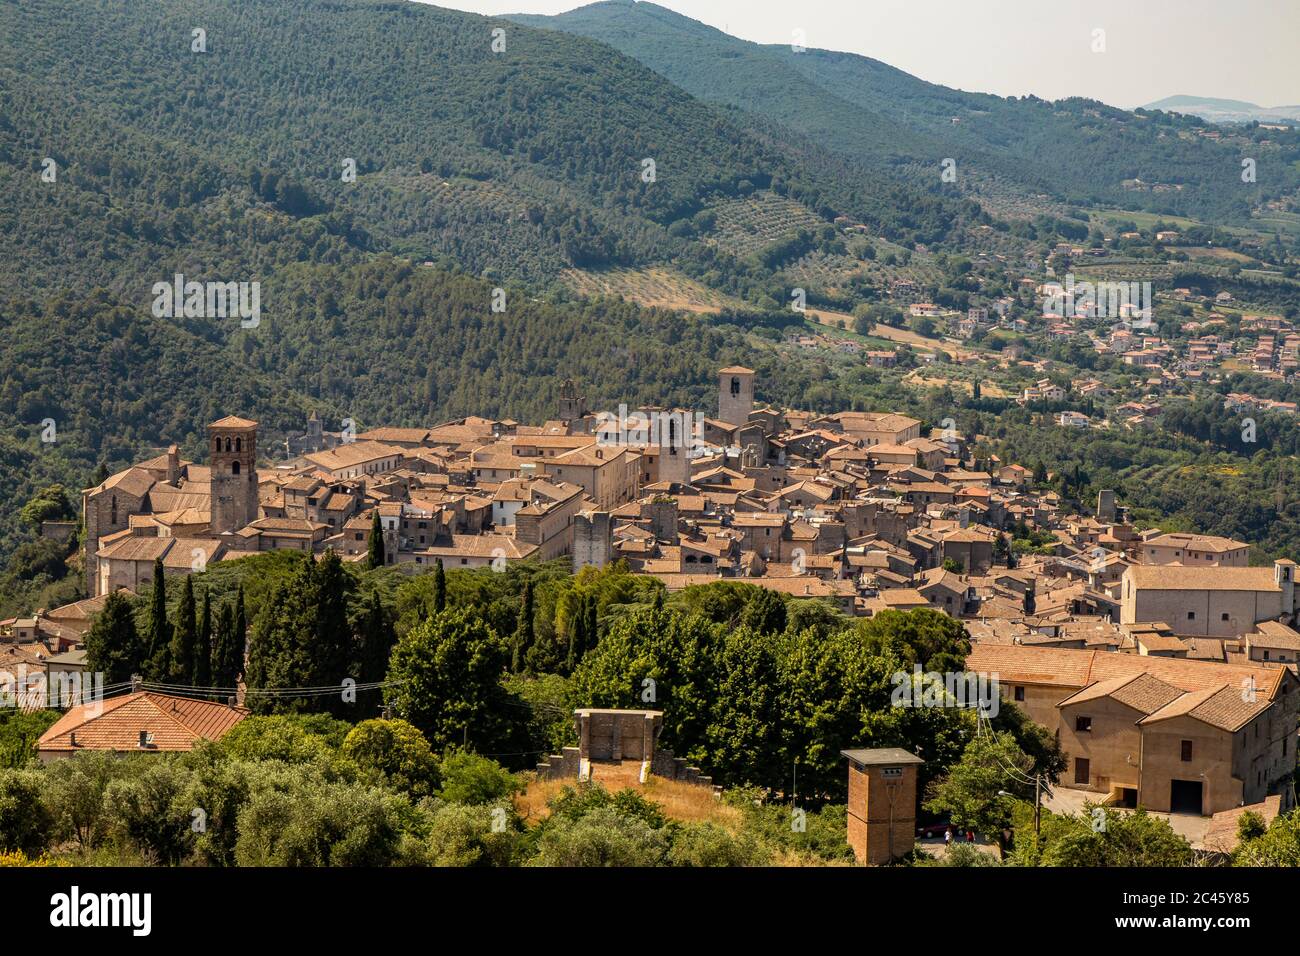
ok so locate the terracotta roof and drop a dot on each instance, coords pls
(1197, 542)
(233, 421)
(1143, 692)
(1062, 667)
(1178, 578)
(1274, 634)
(353, 453)
(1224, 707)
(175, 723)
(136, 549)
(133, 481)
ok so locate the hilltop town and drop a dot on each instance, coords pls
(434, 439)
(1190, 652)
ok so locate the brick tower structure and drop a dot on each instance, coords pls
(882, 803)
(233, 463)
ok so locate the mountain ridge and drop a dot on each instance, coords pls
(1078, 150)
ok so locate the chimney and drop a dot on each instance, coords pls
(135, 683)
(173, 465)
(72, 738)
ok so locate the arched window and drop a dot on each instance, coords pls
(735, 385)
(239, 442)
(234, 467)
(112, 516)
(216, 444)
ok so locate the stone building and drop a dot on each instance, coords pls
(610, 741)
(882, 803)
(1167, 734)
(592, 539)
(1208, 601)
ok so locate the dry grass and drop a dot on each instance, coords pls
(799, 858)
(653, 287)
(679, 801)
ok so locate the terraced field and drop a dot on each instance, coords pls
(745, 226)
(652, 287)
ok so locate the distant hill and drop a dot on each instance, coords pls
(1225, 111)
(1076, 150)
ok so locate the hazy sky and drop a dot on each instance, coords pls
(1236, 49)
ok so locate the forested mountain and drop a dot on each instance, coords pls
(1076, 150)
(521, 162)
(211, 138)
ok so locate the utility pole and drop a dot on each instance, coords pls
(1038, 803)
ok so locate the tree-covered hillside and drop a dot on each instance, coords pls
(1075, 150)
(521, 161)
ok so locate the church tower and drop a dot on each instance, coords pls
(675, 441)
(735, 394)
(572, 405)
(233, 445)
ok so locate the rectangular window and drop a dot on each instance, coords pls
(1191, 615)
(1187, 751)
(1083, 725)
(1081, 770)
(1020, 693)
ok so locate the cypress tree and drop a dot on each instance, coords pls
(324, 637)
(226, 653)
(577, 635)
(439, 588)
(270, 657)
(184, 635)
(203, 650)
(375, 557)
(241, 631)
(377, 641)
(113, 645)
(159, 629)
(592, 625)
(523, 630)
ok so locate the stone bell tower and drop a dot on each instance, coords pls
(572, 405)
(675, 441)
(735, 394)
(232, 442)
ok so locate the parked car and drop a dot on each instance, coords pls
(933, 829)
